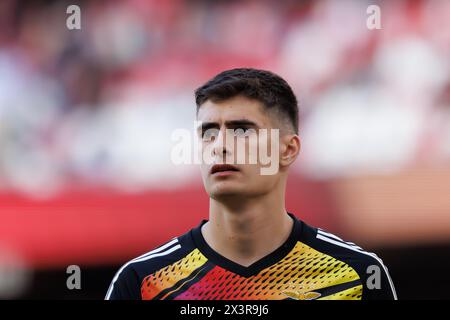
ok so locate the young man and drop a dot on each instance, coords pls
(251, 247)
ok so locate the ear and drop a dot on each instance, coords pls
(289, 149)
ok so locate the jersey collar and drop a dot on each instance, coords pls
(256, 267)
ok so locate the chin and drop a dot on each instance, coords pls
(219, 192)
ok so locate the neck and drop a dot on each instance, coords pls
(245, 231)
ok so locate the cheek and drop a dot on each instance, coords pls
(252, 175)
(260, 184)
(256, 173)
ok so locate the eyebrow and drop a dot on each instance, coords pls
(231, 123)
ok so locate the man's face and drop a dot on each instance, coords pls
(244, 118)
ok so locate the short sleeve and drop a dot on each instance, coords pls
(378, 284)
(125, 285)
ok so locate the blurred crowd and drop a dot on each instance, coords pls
(97, 106)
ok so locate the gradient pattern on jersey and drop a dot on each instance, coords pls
(303, 274)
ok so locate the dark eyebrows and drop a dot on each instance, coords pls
(241, 123)
(229, 124)
(206, 126)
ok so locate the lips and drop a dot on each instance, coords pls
(222, 168)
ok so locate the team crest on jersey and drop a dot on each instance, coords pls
(300, 294)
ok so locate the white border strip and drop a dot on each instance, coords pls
(330, 235)
(149, 255)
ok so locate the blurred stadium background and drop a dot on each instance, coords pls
(86, 117)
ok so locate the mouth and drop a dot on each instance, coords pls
(223, 169)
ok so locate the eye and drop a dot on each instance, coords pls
(210, 134)
(241, 132)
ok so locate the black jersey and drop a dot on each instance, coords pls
(311, 264)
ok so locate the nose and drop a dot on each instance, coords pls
(222, 147)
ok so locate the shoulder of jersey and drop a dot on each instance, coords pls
(330, 244)
(345, 251)
(163, 255)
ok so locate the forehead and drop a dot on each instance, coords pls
(234, 109)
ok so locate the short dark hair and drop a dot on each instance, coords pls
(266, 87)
